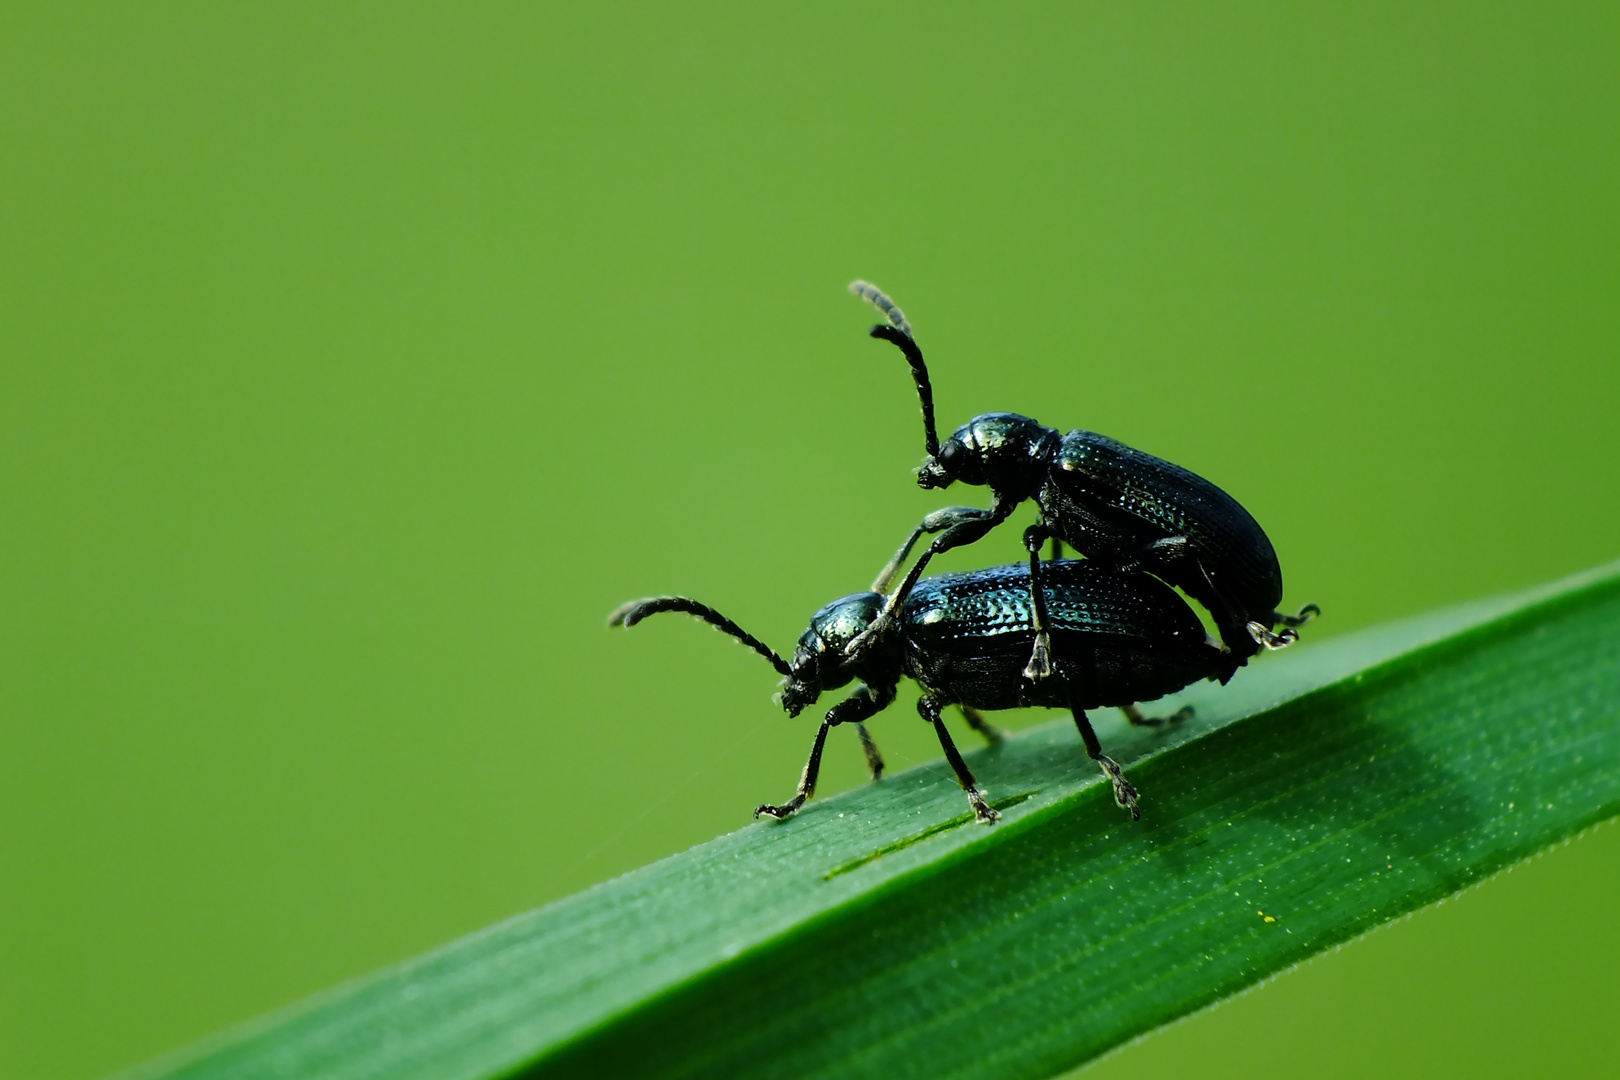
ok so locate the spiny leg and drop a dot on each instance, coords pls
(1124, 793)
(860, 706)
(931, 710)
(1040, 657)
(1140, 719)
(977, 722)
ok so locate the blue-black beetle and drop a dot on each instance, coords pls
(1117, 637)
(1109, 502)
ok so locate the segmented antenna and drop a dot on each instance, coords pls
(898, 332)
(875, 296)
(633, 611)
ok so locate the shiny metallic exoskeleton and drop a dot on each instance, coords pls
(1116, 637)
(1111, 503)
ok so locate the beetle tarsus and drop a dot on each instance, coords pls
(783, 812)
(1124, 793)
(1267, 639)
(1040, 659)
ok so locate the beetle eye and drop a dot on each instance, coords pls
(951, 454)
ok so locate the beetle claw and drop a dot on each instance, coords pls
(1266, 638)
(780, 813)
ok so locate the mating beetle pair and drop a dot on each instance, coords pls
(1074, 634)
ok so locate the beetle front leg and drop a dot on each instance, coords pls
(859, 707)
(885, 576)
(807, 780)
(1040, 657)
(957, 525)
(932, 711)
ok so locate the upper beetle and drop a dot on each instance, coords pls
(1108, 501)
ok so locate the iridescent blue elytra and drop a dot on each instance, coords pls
(1118, 637)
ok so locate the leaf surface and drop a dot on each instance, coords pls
(881, 933)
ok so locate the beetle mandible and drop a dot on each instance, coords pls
(1117, 637)
(1109, 502)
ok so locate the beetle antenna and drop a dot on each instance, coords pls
(898, 333)
(633, 611)
(875, 296)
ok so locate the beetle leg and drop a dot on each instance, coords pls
(1306, 614)
(1057, 548)
(931, 709)
(1168, 548)
(956, 525)
(858, 707)
(1040, 656)
(885, 577)
(1265, 637)
(1161, 552)
(1137, 717)
(807, 780)
(977, 722)
(1124, 793)
(874, 760)
(1228, 619)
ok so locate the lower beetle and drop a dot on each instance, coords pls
(1118, 637)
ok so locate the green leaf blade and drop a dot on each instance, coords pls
(1318, 796)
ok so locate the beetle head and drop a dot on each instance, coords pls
(1004, 450)
(821, 662)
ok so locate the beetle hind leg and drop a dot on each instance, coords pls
(1140, 719)
(1306, 614)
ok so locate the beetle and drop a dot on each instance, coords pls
(1117, 637)
(1103, 498)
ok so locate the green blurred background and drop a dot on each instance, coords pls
(357, 362)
